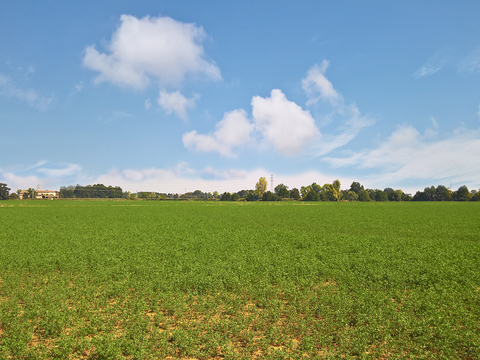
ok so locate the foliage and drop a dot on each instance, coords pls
(356, 187)
(295, 194)
(312, 196)
(93, 191)
(269, 196)
(4, 191)
(282, 191)
(13, 196)
(462, 194)
(351, 196)
(442, 193)
(226, 196)
(380, 195)
(304, 190)
(363, 196)
(260, 187)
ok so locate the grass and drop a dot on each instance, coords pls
(192, 280)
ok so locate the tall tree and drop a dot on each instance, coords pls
(282, 191)
(337, 191)
(356, 187)
(4, 191)
(462, 194)
(295, 194)
(260, 186)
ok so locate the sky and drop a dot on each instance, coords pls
(175, 96)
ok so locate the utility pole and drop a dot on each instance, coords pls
(271, 183)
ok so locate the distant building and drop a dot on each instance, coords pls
(47, 194)
(22, 194)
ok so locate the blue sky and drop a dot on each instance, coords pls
(174, 96)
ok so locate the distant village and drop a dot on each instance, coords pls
(38, 194)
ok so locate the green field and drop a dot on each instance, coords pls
(147, 279)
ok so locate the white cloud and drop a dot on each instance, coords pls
(15, 181)
(176, 103)
(318, 87)
(283, 123)
(66, 170)
(471, 63)
(42, 173)
(30, 96)
(432, 133)
(408, 156)
(148, 104)
(233, 131)
(207, 180)
(159, 48)
(79, 86)
(435, 63)
(348, 131)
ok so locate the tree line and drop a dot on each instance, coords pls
(356, 192)
(312, 192)
(96, 191)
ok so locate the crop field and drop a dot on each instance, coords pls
(200, 280)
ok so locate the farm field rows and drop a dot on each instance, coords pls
(199, 280)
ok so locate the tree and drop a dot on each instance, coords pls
(13, 196)
(443, 193)
(260, 186)
(304, 190)
(315, 187)
(295, 194)
(282, 191)
(4, 191)
(462, 194)
(337, 193)
(356, 187)
(351, 196)
(226, 196)
(269, 196)
(312, 196)
(328, 193)
(475, 195)
(363, 196)
(380, 195)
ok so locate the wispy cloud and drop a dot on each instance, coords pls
(434, 64)
(43, 173)
(79, 86)
(30, 96)
(345, 133)
(471, 63)
(407, 155)
(147, 104)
